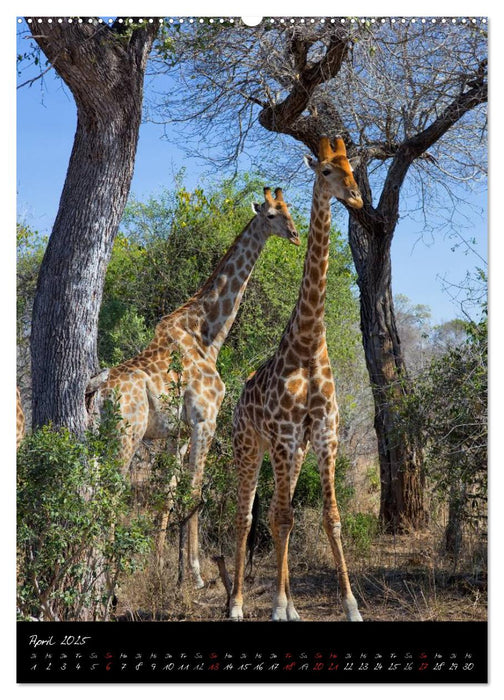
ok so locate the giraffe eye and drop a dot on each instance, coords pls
(271, 216)
(326, 172)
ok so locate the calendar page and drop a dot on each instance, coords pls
(251, 393)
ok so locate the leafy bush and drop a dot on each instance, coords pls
(123, 332)
(359, 530)
(72, 533)
(373, 478)
(308, 489)
(449, 411)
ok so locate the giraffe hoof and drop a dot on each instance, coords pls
(292, 614)
(351, 610)
(355, 617)
(279, 615)
(236, 613)
(199, 583)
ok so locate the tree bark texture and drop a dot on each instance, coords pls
(453, 535)
(104, 69)
(401, 475)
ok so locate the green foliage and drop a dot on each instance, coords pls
(219, 496)
(308, 489)
(359, 531)
(30, 250)
(124, 333)
(71, 507)
(373, 478)
(449, 411)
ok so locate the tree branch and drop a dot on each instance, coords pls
(415, 146)
(283, 116)
(37, 77)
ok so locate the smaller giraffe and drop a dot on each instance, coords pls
(20, 419)
(196, 332)
(290, 404)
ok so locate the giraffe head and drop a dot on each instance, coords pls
(275, 217)
(335, 171)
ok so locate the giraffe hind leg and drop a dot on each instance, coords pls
(248, 454)
(325, 446)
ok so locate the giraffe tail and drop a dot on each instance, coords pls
(252, 536)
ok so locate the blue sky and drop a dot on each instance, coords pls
(46, 119)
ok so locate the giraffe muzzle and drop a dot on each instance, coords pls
(355, 200)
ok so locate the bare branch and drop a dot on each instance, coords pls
(415, 146)
(284, 115)
(37, 77)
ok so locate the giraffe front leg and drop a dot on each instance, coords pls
(281, 516)
(325, 446)
(164, 517)
(202, 401)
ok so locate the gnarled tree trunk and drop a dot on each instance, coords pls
(104, 68)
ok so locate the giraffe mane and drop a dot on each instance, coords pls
(217, 271)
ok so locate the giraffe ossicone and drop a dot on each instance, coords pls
(195, 333)
(289, 403)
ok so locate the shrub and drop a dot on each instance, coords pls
(449, 411)
(72, 531)
(373, 478)
(359, 530)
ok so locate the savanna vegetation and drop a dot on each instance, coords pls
(411, 476)
(166, 247)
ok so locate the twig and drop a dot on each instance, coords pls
(225, 578)
(34, 80)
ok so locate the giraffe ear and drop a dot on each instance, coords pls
(354, 162)
(310, 162)
(256, 208)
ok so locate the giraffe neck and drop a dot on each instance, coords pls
(217, 302)
(306, 325)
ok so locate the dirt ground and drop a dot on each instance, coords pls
(398, 579)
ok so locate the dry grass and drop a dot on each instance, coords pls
(401, 578)
(395, 578)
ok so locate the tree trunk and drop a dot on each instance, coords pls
(453, 533)
(401, 476)
(105, 72)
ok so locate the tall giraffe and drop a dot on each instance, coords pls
(196, 331)
(290, 402)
